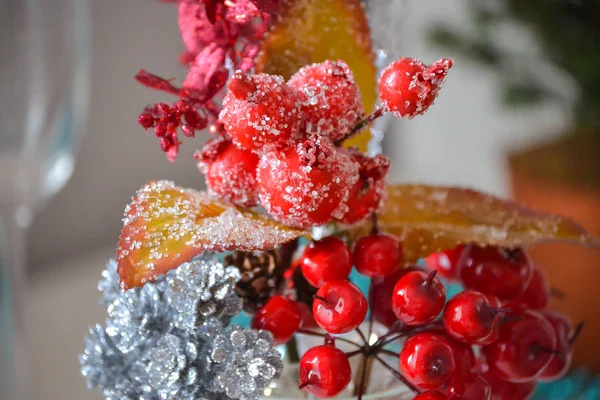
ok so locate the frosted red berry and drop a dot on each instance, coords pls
(525, 347)
(380, 296)
(280, 316)
(500, 272)
(230, 172)
(377, 255)
(472, 317)
(469, 387)
(408, 87)
(324, 371)
(329, 98)
(306, 184)
(259, 110)
(418, 298)
(536, 296)
(431, 395)
(560, 363)
(446, 263)
(427, 361)
(339, 307)
(328, 259)
(503, 390)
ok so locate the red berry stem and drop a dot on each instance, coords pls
(312, 333)
(366, 121)
(323, 299)
(363, 377)
(291, 349)
(389, 353)
(329, 340)
(430, 278)
(410, 331)
(354, 353)
(398, 376)
(303, 385)
(362, 336)
(371, 319)
(374, 224)
(558, 294)
(576, 334)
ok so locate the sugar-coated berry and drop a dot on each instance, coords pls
(339, 307)
(329, 98)
(503, 390)
(560, 363)
(427, 361)
(446, 263)
(525, 347)
(380, 296)
(500, 272)
(536, 296)
(418, 298)
(472, 317)
(328, 259)
(280, 316)
(377, 255)
(325, 371)
(259, 110)
(431, 395)
(469, 387)
(408, 87)
(306, 184)
(230, 172)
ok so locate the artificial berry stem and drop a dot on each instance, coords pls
(323, 299)
(363, 377)
(576, 334)
(389, 353)
(558, 294)
(362, 336)
(398, 376)
(374, 224)
(312, 333)
(354, 353)
(430, 278)
(303, 385)
(329, 340)
(366, 121)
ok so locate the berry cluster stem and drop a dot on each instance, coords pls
(366, 121)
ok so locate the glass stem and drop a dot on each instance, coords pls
(13, 285)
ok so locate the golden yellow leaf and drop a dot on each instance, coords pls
(312, 31)
(165, 226)
(429, 219)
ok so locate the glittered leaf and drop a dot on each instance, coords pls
(165, 226)
(312, 31)
(430, 219)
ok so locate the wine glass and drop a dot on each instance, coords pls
(44, 66)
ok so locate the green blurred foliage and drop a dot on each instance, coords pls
(568, 32)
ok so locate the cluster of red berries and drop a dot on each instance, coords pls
(492, 341)
(285, 139)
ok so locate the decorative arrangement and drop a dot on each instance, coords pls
(279, 172)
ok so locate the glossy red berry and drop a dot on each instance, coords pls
(427, 360)
(328, 259)
(339, 307)
(258, 110)
(560, 363)
(502, 390)
(329, 98)
(431, 395)
(306, 184)
(408, 87)
(280, 316)
(469, 387)
(464, 356)
(230, 172)
(536, 296)
(502, 273)
(525, 347)
(418, 298)
(380, 296)
(446, 263)
(325, 371)
(377, 255)
(472, 317)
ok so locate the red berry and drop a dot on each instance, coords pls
(503, 273)
(560, 363)
(230, 172)
(472, 317)
(464, 357)
(418, 298)
(446, 263)
(408, 87)
(380, 296)
(328, 259)
(377, 255)
(306, 184)
(524, 348)
(325, 371)
(431, 395)
(502, 390)
(339, 307)
(469, 387)
(329, 98)
(258, 110)
(537, 294)
(280, 316)
(427, 360)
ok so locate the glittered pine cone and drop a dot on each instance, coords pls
(305, 292)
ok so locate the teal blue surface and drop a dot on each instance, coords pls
(578, 385)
